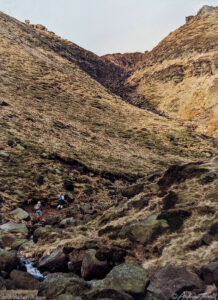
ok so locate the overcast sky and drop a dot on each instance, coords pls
(107, 26)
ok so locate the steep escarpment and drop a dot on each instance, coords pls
(179, 76)
(128, 61)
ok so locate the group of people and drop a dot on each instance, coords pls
(38, 207)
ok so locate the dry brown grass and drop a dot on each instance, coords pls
(194, 96)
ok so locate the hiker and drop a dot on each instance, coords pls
(60, 201)
(38, 210)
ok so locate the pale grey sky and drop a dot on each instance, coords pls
(107, 26)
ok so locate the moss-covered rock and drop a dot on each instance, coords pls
(42, 233)
(127, 280)
(58, 283)
(145, 231)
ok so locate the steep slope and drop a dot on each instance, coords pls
(127, 61)
(107, 73)
(179, 76)
(61, 130)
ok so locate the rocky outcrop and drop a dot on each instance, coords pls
(144, 231)
(127, 61)
(127, 281)
(173, 281)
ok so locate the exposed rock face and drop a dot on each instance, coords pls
(127, 61)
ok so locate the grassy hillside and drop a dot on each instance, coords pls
(61, 130)
(179, 76)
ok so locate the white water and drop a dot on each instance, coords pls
(32, 270)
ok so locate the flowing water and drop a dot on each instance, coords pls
(32, 270)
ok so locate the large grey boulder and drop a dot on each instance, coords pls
(57, 284)
(68, 222)
(20, 214)
(93, 268)
(171, 282)
(126, 281)
(15, 228)
(55, 262)
(23, 280)
(144, 231)
(42, 233)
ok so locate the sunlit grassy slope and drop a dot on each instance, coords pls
(179, 76)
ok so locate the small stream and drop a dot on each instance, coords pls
(32, 270)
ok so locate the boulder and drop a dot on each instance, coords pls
(42, 233)
(75, 261)
(174, 217)
(144, 231)
(132, 190)
(23, 280)
(171, 282)
(20, 214)
(210, 273)
(138, 203)
(55, 262)
(92, 268)
(15, 228)
(8, 260)
(68, 222)
(6, 239)
(51, 220)
(58, 284)
(128, 280)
